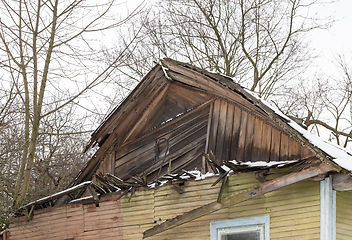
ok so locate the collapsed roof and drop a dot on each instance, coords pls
(181, 118)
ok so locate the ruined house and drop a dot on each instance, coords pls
(190, 154)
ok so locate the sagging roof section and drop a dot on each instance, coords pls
(177, 117)
(156, 86)
(325, 151)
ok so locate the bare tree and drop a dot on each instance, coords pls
(323, 102)
(61, 140)
(49, 58)
(335, 99)
(262, 44)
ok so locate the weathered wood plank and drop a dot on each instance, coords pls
(179, 145)
(214, 126)
(205, 164)
(293, 150)
(184, 97)
(228, 132)
(305, 152)
(181, 122)
(284, 147)
(155, 73)
(275, 145)
(176, 135)
(187, 70)
(178, 100)
(117, 132)
(266, 143)
(108, 165)
(187, 157)
(197, 80)
(154, 121)
(257, 140)
(146, 116)
(237, 116)
(242, 136)
(248, 148)
(131, 110)
(220, 136)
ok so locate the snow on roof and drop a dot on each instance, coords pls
(81, 199)
(198, 175)
(339, 155)
(264, 164)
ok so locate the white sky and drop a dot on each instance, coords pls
(339, 36)
(337, 39)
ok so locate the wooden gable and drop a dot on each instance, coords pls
(178, 113)
(237, 134)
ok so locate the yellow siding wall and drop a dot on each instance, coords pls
(294, 213)
(344, 215)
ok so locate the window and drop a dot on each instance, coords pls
(255, 228)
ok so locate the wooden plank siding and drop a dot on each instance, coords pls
(186, 138)
(237, 134)
(191, 114)
(294, 213)
(232, 134)
(294, 210)
(177, 101)
(120, 124)
(344, 215)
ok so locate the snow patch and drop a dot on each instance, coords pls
(81, 199)
(264, 164)
(164, 70)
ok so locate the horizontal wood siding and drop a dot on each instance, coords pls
(238, 134)
(294, 213)
(344, 215)
(72, 221)
(186, 138)
(294, 210)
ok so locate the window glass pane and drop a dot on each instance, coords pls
(255, 235)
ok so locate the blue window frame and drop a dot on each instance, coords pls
(254, 228)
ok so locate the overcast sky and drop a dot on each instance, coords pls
(328, 43)
(337, 39)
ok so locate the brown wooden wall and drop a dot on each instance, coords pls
(230, 131)
(191, 114)
(237, 134)
(186, 137)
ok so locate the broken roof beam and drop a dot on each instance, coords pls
(59, 194)
(239, 197)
